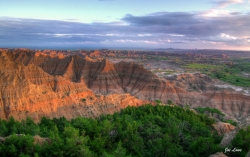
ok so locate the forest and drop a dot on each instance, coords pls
(160, 130)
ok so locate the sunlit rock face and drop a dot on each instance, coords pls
(223, 128)
(53, 85)
(32, 90)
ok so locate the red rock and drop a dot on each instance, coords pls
(223, 128)
(37, 85)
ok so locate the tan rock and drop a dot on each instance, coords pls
(223, 128)
(218, 154)
(40, 140)
(36, 84)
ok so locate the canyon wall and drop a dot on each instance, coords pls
(36, 85)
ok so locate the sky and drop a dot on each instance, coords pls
(184, 24)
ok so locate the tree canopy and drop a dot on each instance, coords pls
(160, 130)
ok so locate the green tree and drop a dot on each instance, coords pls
(15, 145)
(3, 128)
(170, 102)
(75, 145)
(241, 141)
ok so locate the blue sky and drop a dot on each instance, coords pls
(217, 24)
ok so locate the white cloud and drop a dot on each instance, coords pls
(217, 13)
(149, 42)
(225, 3)
(135, 41)
(111, 35)
(226, 36)
(220, 5)
(144, 35)
(63, 35)
(176, 35)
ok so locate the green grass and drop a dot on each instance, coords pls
(157, 58)
(208, 109)
(230, 121)
(201, 66)
(227, 73)
(202, 110)
(237, 80)
(232, 75)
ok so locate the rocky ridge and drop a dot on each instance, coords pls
(27, 90)
(38, 85)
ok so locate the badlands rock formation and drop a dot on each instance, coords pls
(28, 90)
(33, 84)
(202, 92)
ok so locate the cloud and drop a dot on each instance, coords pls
(219, 13)
(220, 8)
(161, 18)
(190, 24)
(161, 29)
(225, 3)
(226, 36)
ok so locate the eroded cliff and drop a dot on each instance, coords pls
(28, 90)
(38, 85)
